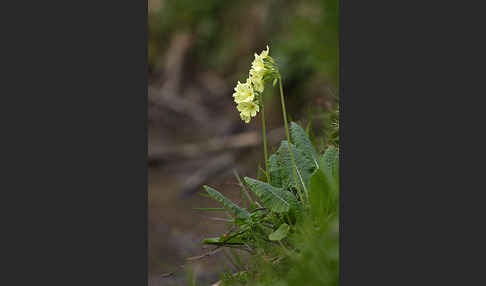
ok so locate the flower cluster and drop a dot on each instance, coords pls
(247, 94)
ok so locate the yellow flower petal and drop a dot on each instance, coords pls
(245, 118)
(264, 53)
(248, 108)
(256, 79)
(243, 92)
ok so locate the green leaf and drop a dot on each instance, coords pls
(222, 240)
(261, 175)
(211, 240)
(302, 142)
(320, 195)
(324, 184)
(280, 233)
(305, 167)
(329, 162)
(204, 195)
(309, 126)
(235, 209)
(274, 167)
(273, 198)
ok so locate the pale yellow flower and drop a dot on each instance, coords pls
(264, 53)
(256, 79)
(248, 108)
(245, 117)
(258, 64)
(243, 92)
(258, 69)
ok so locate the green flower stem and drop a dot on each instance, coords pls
(288, 140)
(264, 140)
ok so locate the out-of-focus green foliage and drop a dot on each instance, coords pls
(309, 40)
(208, 21)
(302, 34)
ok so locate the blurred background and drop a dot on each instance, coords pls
(197, 51)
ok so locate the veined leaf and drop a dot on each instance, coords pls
(324, 184)
(302, 142)
(274, 167)
(273, 198)
(235, 209)
(329, 162)
(280, 233)
(305, 167)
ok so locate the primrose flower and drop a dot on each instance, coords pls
(248, 109)
(257, 70)
(264, 53)
(245, 117)
(256, 79)
(258, 64)
(243, 92)
(246, 94)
